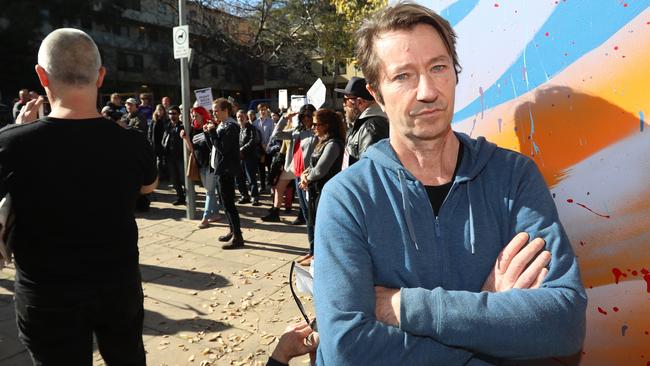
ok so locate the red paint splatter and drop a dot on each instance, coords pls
(618, 274)
(646, 278)
(646, 332)
(634, 273)
(644, 271)
(615, 309)
(582, 243)
(600, 310)
(546, 34)
(570, 200)
(625, 5)
(496, 5)
(615, 48)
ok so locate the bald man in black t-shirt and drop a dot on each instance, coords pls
(74, 178)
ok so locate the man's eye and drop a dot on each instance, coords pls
(439, 68)
(401, 77)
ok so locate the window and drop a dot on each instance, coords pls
(130, 62)
(128, 4)
(163, 62)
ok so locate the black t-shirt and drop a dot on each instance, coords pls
(437, 194)
(74, 185)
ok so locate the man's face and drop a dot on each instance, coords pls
(130, 107)
(145, 99)
(23, 94)
(241, 118)
(275, 117)
(166, 102)
(116, 100)
(219, 114)
(351, 108)
(264, 112)
(251, 116)
(418, 83)
(174, 115)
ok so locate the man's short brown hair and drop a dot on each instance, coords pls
(401, 16)
(221, 104)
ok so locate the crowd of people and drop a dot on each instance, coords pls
(428, 246)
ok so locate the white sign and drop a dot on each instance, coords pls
(204, 98)
(297, 101)
(283, 101)
(316, 94)
(181, 35)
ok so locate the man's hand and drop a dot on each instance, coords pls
(29, 112)
(387, 304)
(297, 340)
(512, 268)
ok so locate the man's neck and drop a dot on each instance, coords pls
(431, 162)
(79, 104)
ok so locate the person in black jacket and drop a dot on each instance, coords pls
(225, 160)
(172, 144)
(367, 123)
(249, 151)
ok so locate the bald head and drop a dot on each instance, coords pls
(69, 56)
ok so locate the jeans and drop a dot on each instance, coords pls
(227, 193)
(209, 181)
(249, 167)
(305, 214)
(60, 332)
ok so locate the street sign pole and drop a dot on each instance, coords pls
(185, 93)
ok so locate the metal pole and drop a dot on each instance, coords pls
(190, 196)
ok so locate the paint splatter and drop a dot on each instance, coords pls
(570, 200)
(496, 5)
(480, 91)
(623, 330)
(615, 309)
(642, 120)
(499, 121)
(646, 278)
(615, 48)
(582, 243)
(602, 311)
(546, 34)
(634, 273)
(625, 5)
(618, 274)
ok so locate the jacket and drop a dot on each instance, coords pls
(136, 121)
(249, 142)
(370, 127)
(299, 133)
(375, 226)
(225, 152)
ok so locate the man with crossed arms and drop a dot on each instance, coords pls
(412, 264)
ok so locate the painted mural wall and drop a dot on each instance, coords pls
(568, 83)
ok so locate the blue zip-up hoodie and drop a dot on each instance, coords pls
(375, 226)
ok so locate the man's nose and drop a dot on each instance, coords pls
(427, 89)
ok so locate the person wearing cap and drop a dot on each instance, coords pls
(133, 118)
(366, 121)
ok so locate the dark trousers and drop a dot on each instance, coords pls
(60, 331)
(302, 199)
(177, 175)
(227, 193)
(249, 167)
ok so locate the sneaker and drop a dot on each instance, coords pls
(226, 237)
(214, 218)
(236, 242)
(256, 202)
(244, 200)
(298, 221)
(273, 216)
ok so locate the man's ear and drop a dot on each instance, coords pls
(100, 77)
(42, 76)
(377, 95)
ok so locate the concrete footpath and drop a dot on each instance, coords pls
(203, 305)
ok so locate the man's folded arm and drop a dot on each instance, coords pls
(518, 323)
(345, 298)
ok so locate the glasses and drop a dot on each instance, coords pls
(349, 99)
(312, 325)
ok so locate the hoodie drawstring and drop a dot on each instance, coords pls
(407, 211)
(471, 220)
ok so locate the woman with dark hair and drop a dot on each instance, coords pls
(159, 122)
(198, 145)
(324, 162)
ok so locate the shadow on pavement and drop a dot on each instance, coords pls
(270, 247)
(191, 280)
(158, 324)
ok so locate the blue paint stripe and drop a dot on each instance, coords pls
(575, 28)
(457, 11)
(642, 120)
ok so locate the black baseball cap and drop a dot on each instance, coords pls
(356, 87)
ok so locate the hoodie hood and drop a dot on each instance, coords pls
(475, 157)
